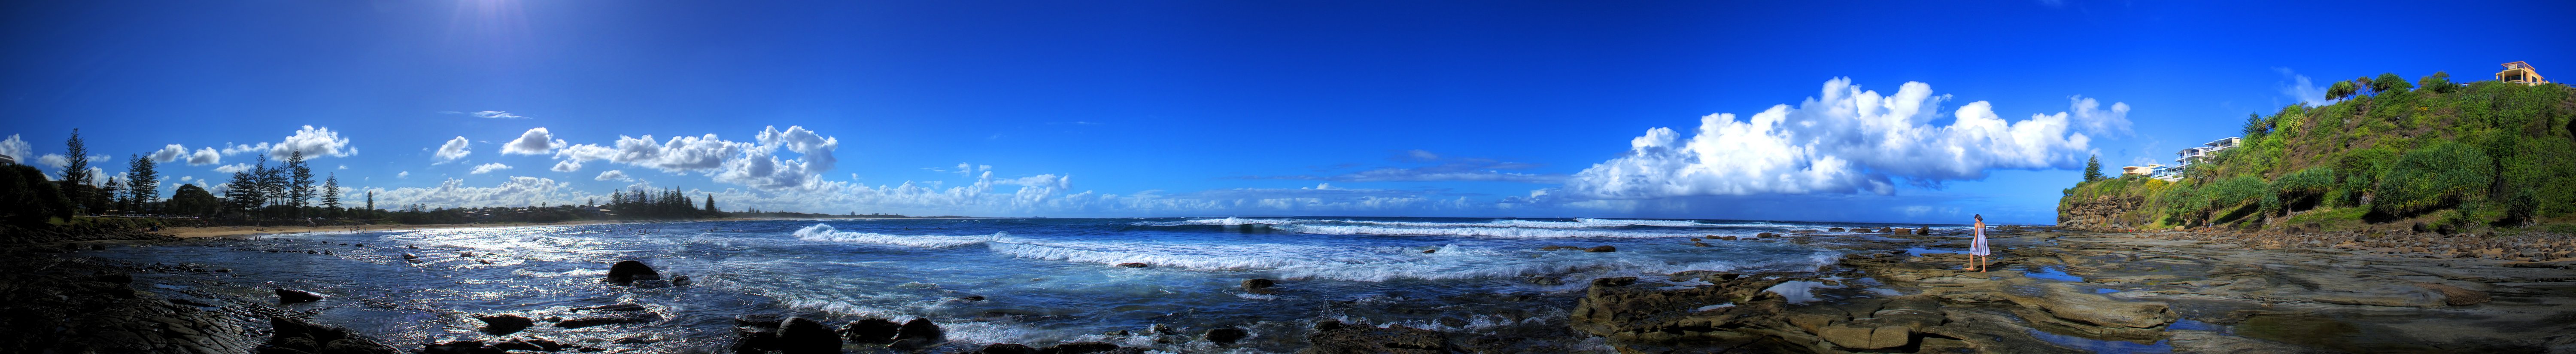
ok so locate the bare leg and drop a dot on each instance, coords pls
(1981, 263)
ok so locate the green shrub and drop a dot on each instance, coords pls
(2433, 177)
(2388, 83)
(2312, 182)
(2438, 82)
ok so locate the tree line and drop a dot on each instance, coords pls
(282, 192)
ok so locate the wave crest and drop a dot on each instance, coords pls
(825, 233)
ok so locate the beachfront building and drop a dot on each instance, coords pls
(2145, 171)
(6, 160)
(2520, 73)
(2197, 154)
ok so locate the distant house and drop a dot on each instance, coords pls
(6, 160)
(2198, 153)
(2149, 170)
(2520, 73)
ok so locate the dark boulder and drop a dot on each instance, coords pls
(460, 347)
(1134, 265)
(1006, 348)
(504, 324)
(1597, 249)
(285, 296)
(627, 272)
(870, 331)
(755, 339)
(802, 336)
(681, 280)
(918, 334)
(1257, 283)
(528, 344)
(1226, 336)
(972, 298)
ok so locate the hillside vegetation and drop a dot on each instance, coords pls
(2445, 157)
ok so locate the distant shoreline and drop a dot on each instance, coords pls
(239, 231)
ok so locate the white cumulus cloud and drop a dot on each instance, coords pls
(174, 152)
(489, 167)
(233, 168)
(314, 142)
(757, 164)
(455, 149)
(517, 191)
(1846, 140)
(17, 148)
(611, 175)
(534, 142)
(54, 160)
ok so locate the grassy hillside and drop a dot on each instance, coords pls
(2486, 156)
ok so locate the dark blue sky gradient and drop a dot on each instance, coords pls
(1190, 96)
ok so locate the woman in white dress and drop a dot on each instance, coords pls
(1978, 253)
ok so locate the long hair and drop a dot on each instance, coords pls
(1980, 217)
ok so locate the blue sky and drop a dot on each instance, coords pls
(1217, 108)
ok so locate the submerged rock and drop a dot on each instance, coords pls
(1258, 283)
(1333, 337)
(1134, 265)
(627, 272)
(285, 296)
(869, 331)
(1604, 248)
(1226, 335)
(504, 324)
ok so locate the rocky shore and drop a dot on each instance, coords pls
(2066, 292)
(2048, 291)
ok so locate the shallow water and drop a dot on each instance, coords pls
(1044, 280)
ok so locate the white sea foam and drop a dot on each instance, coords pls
(821, 232)
(1498, 232)
(1191, 261)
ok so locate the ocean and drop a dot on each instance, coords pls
(1040, 281)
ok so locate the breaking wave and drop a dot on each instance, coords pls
(1498, 232)
(821, 232)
